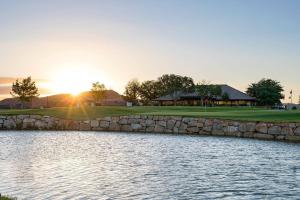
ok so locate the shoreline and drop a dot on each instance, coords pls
(159, 124)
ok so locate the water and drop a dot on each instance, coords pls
(95, 165)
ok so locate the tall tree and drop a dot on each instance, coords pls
(267, 92)
(148, 91)
(98, 91)
(171, 83)
(25, 90)
(207, 91)
(132, 90)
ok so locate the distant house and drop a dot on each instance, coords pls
(235, 98)
(112, 98)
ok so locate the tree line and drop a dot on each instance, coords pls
(267, 92)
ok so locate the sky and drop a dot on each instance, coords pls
(236, 42)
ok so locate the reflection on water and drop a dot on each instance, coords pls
(93, 165)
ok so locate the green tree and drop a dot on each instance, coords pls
(171, 83)
(267, 92)
(225, 96)
(25, 90)
(98, 91)
(132, 90)
(207, 91)
(148, 91)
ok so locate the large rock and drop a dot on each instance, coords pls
(104, 124)
(193, 129)
(40, 125)
(230, 129)
(162, 123)
(149, 122)
(171, 123)
(114, 126)
(293, 138)
(261, 128)
(250, 127)
(287, 131)
(297, 131)
(84, 127)
(9, 124)
(274, 130)
(94, 123)
(136, 127)
(243, 127)
(263, 136)
(159, 129)
(126, 128)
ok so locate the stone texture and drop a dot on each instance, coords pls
(287, 131)
(293, 138)
(297, 131)
(261, 128)
(159, 124)
(274, 130)
(263, 136)
(94, 123)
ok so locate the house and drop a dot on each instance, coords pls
(112, 98)
(235, 98)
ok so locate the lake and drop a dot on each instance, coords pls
(102, 165)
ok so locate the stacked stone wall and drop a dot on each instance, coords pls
(158, 124)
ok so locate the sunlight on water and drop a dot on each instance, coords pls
(93, 165)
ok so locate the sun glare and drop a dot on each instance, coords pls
(74, 80)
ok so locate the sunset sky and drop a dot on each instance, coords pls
(76, 42)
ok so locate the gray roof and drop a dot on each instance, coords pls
(233, 94)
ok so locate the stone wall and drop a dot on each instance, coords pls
(158, 124)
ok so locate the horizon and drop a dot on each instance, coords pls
(234, 43)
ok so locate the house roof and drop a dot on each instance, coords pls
(233, 94)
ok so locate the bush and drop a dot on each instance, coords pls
(294, 108)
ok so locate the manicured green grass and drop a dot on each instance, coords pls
(235, 113)
(7, 198)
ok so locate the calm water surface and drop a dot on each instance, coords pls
(93, 165)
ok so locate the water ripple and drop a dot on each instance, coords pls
(93, 165)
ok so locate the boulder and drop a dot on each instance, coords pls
(104, 124)
(162, 123)
(263, 136)
(84, 127)
(297, 131)
(274, 130)
(114, 126)
(136, 127)
(261, 128)
(287, 131)
(171, 123)
(94, 123)
(159, 129)
(126, 128)
(149, 122)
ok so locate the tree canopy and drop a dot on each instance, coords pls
(98, 91)
(132, 90)
(267, 92)
(148, 91)
(170, 83)
(25, 90)
(207, 91)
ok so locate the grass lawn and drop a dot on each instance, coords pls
(7, 198)
(236, 113)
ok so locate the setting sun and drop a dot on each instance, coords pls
(74, 80)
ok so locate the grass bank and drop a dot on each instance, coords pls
(7, 198)
(234, 113)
